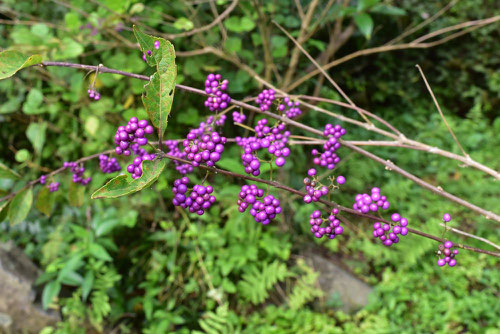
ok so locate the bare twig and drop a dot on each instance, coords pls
(334, 84)
(440, 112)
(423, 23)
(448, 228)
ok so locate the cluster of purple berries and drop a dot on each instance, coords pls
(93, 94)
(77, 173)
(54, 186)
(365, 203)
(205, 148)
(290, 108)
(134, 132)
(174, 150)
(218, 100)
(449, 254)
(266, 210)
(239, 117)
(332, 228)
(108, 165)
(313, 194)
(265, 99)
(328, 158)
(248, 196)
(199, 200)
(384, 233)
(208, 125)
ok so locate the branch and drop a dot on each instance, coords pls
(416, 44)
(388, 164)
(212, 24)
(448, 228)
(440, 112)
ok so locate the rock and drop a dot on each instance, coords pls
(17, 296)
(335, 281)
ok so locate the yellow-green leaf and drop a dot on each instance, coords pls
(76, 193)
(125, 185)
(44, 201)
(13, 61)
(7, 173)
(20, 206)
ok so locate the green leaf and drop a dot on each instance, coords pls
(233, 44)
(388, 10)
(36, 135)
(7, 173)
(183, 23)
(125, 185)
(365, 4)
(4, 209)
(237, 24)
(88, 283)
(20, 206)
(92, 125)
(158, 93)
(76, 194)
(247, 24)
(44, 201)
(50, 291)
(364, 23)
(13, 61)
(99, 252)
(33, 102)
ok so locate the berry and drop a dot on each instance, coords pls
(314, 191)
(446, 217)
(266, 210)
(332, 226)
(365, 203)
(388, 236)
(290, 108)
(340, 179)
(265, 99)
(217, 99)
(239, 117)
(204, 148)
(108, 165)
(43, 179)
(328, 158)
(248, 196)
(449, 253)
(197, 201)
(53, 187)
(77, 171)
(173, 150)
(157, 45)
(93, 94)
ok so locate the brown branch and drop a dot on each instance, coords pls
(294, 58)
(387, 164)
(440, 112)
(212, 24)
(416, 44)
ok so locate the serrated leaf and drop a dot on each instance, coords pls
(13, 61)
(7, 173)
(50, 291)
(20, 206)
(76, 194)
(364, 23)
(45, 202)
(125, 185)
(158, 93)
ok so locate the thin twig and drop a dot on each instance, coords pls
(439, 110)
(448, 228)
(388, 164)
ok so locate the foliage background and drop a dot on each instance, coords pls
(138, 265)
